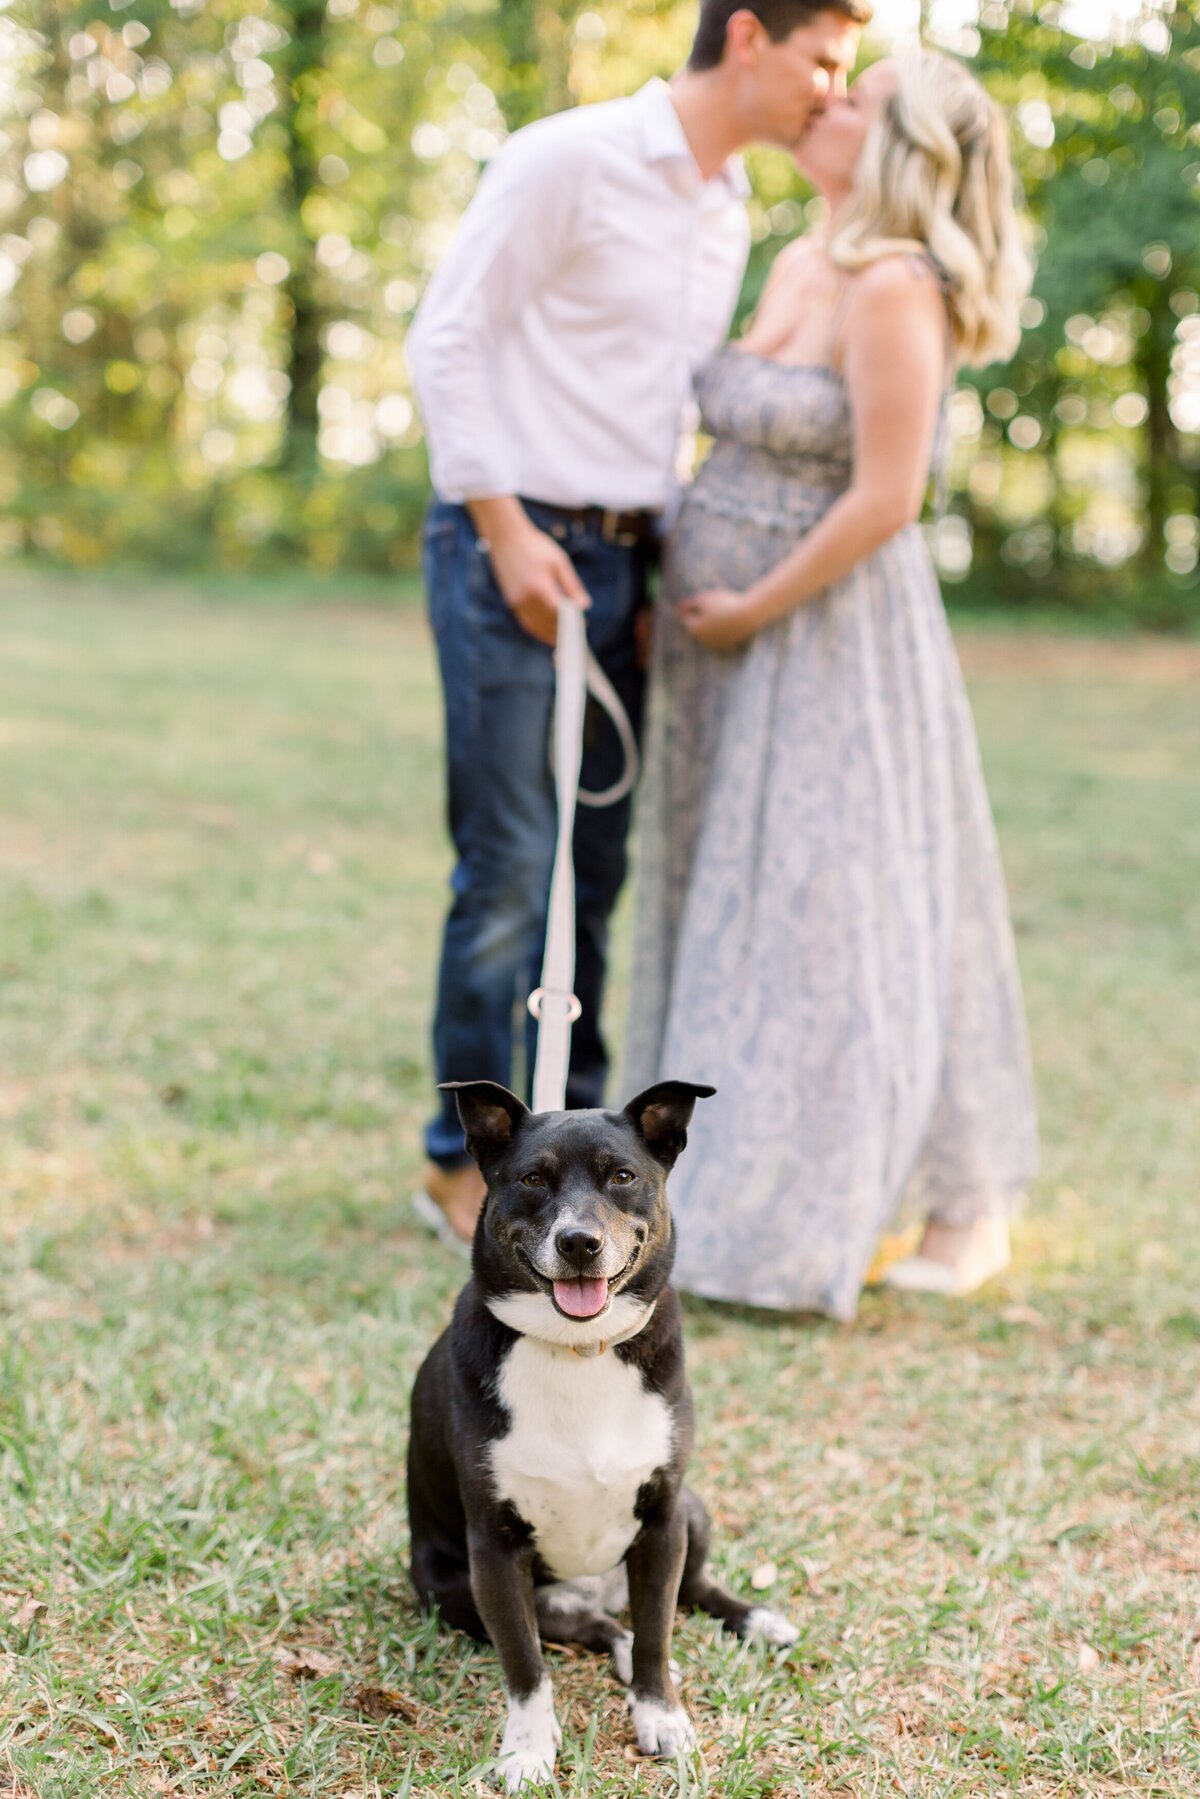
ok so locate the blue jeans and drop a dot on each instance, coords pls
(498, 683)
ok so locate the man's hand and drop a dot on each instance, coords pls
(536, 577)
(535, 574)
(719, 618)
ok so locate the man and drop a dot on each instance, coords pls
(597, 266)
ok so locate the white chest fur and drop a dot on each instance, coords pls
(585, 1436)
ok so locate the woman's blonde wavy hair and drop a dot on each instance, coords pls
(936, 178)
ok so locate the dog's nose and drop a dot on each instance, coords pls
(578, 1245)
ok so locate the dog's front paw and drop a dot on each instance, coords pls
(531, 1739)
(523, 1767)
(765, 1626)
(661, 1729)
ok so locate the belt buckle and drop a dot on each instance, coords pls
(610, 531)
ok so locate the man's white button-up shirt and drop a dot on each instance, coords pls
(594, 270)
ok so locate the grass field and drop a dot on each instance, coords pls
(222, 872)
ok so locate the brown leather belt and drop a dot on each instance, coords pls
(629, 529)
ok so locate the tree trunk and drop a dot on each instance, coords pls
(305, 54)
(1154, 367)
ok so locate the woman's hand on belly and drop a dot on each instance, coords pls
(720, 619)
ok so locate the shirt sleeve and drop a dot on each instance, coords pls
(517, 232)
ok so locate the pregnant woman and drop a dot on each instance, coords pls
(822, 929)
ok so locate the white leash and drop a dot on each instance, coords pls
(554, 1003)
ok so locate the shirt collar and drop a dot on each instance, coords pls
(663, 138)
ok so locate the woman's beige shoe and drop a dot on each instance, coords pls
(983, 1253)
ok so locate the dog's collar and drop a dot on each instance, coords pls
(588, 1350)
(525, 1314)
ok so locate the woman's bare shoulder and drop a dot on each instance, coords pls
(899, 297)
(902, 278)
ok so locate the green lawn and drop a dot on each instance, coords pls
(222, 870)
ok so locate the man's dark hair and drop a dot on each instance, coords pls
(779, 18)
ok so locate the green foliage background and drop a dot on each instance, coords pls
(217, 216)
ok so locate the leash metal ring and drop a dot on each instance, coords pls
(574, 1004)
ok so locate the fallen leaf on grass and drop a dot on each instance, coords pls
(810, 1573)
(764, 1576)
(1021, 1315)
(25, 1612)
(383, 1702)
(306, 1664)
(849, 1459)
(1087, 1658)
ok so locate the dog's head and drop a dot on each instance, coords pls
(575, 1242)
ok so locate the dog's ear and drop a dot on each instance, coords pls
(661, 1115)
(490, 1116)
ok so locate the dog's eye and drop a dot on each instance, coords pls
(624, 1177)
(533, 1179)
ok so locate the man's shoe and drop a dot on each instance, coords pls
(449, 1202)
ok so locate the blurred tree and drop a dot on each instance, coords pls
(301, 64)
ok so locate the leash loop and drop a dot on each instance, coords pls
(602, 690)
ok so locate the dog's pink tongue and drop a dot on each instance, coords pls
(581, 1299)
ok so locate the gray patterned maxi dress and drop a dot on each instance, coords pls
(821, 925)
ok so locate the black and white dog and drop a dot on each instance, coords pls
(552, 1420)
